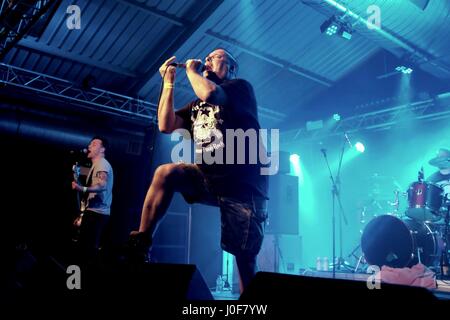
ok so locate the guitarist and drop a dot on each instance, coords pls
(97, 198)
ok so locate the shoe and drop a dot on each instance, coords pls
(138, 247)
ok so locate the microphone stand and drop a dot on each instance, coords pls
(341, 260)
(444, 252)
(334, 196)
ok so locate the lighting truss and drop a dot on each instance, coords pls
(426, 110)
(17, 17)
(102, 100)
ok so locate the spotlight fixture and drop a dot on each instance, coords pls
(88, 82)
(337, 25)
(404, 69)
(346, 31)
(406, 63)
(336, 117)
(330, 26)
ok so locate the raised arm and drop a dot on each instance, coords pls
(168, 121)
(205, 89)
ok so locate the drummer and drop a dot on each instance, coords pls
(441, 178)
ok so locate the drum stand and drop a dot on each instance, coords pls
(444, 253)
(336, 196)
(360, 258)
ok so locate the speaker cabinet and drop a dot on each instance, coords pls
(283, 205)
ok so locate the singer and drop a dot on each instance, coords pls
(239, 190)
(96, 200)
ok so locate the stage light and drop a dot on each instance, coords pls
(360, 147)
(294, 158)
(345, 30)
(404, 69)
(336, 117)
(330, 26)
(346, 34)
(337, 25)
(295, 164)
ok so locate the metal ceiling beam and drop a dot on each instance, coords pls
(273, 60)
(102, 100)
(172, 43)
(17, 18)
(43, 48)
(155, 12)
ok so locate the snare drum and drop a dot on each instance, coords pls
(424, 201)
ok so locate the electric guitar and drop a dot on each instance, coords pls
(81, 204)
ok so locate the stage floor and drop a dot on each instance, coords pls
(442, 290)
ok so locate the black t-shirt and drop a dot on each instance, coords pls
(210, 126)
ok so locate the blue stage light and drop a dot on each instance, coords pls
(360, 147)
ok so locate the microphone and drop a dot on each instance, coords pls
(201, 67)
(348, 140)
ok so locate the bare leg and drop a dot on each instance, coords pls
(247, 268)
(168, 178)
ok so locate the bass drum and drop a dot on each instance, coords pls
(390, 241)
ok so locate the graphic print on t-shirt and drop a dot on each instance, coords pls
(206, 123)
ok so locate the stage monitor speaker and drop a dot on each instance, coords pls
(283, 204)
(146, 282)
(112, 286)
(275, 287)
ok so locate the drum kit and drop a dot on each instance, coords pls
(419, 235)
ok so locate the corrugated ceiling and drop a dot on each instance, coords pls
(278, 43)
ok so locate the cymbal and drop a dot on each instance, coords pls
(440, 162)
(442, 159)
